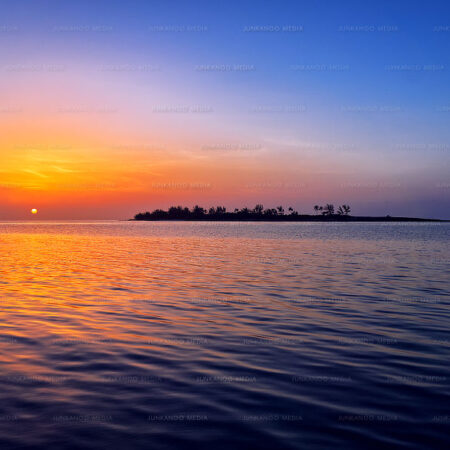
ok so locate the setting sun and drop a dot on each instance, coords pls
(34, 211)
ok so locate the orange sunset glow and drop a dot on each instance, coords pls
(76, 139)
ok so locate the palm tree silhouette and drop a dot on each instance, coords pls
(328, 209)
(258, 209)
(343, 210)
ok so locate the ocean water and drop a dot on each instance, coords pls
(124, 335)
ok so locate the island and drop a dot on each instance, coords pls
(326, 213)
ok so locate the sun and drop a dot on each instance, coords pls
(34, 211)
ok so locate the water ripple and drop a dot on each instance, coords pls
(265, 336)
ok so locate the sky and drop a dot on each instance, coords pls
(108, 108)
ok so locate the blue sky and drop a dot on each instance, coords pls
(290, 75)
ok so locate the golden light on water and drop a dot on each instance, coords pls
(34, 211)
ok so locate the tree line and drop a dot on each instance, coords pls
(257, 213)
(328, 210)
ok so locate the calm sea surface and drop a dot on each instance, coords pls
(123, 335)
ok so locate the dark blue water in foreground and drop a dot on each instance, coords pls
(224, 335)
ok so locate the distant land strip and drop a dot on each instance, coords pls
(326, 213)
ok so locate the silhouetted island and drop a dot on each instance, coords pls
(325, 213)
